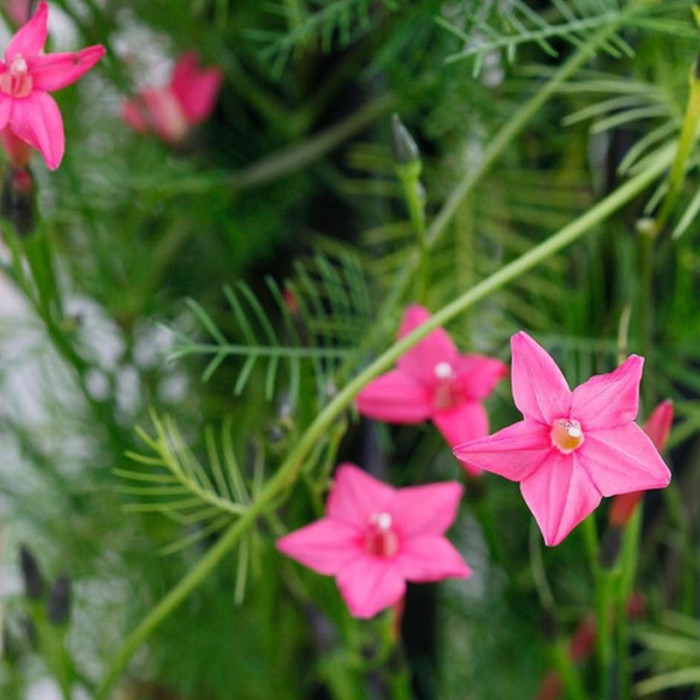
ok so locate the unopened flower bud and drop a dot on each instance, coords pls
(31, 574)
(403, 146)
(59, 601)
(17, 199)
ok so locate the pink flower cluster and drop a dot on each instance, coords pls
(571, 449)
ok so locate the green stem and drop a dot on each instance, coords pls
(605, 589)
(629, 560)
(646, 305)
(686, 142)
(508, 132)
(568, 673)
(290, 468)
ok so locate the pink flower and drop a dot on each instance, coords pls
(433, 381)
(573, 447)
(374, 538)
(171, 111)
(28, 75)
(657, 427)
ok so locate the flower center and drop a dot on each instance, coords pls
(566, 435)
(381, 540)
(16, 81)
(446, 393)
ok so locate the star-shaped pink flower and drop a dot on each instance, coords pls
(171, 111)
(374, 538)
(27, 75)
(573, 447)
(433, 381)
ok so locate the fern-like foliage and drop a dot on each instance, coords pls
(490, 27)
(314, 320)
(315, 24)
(172, 481)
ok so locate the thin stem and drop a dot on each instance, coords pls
(568, 673)
(686, 142)
(605, 584)
(508, 132)
(289, 470)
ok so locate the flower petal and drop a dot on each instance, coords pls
(623, 459)
(37, 120)
(539, 388)
(560, 494)
(607, 400)
(30, 38)
(420, 361)
(430, 558)
(477, 375)
(395, 397)
(369, 585)
(425, 510)
(467, 421)
(514, 452)
(356, 496)
(5, 110)
(461, 424)
(57, 70)
(325, 546)
(196, 89)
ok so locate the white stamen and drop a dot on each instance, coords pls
(19, 64)
(382, 520)
(443, 370)
(574, 431)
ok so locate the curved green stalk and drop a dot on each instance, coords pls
(290, 468)
(495, 149)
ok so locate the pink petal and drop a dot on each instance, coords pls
(539, 389)
(132, 115)
(560, 495)
(57, 70)
(369, 585)
(356, 496)
(658, 425)
(430, 558)
(425, 510)
(395, 397)
(196, 89)
(30, 38)
(514, 452)
(607, 400)
(462, 423)
(623, 459)
(437, 347)
(477, 375)
(37, 120)
(5, 110)
(324, 546)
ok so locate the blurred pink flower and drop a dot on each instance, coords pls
(171, 111)
(573, 447)
(657, 427)
(374, 538)
(27, 76)
(433, 381)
